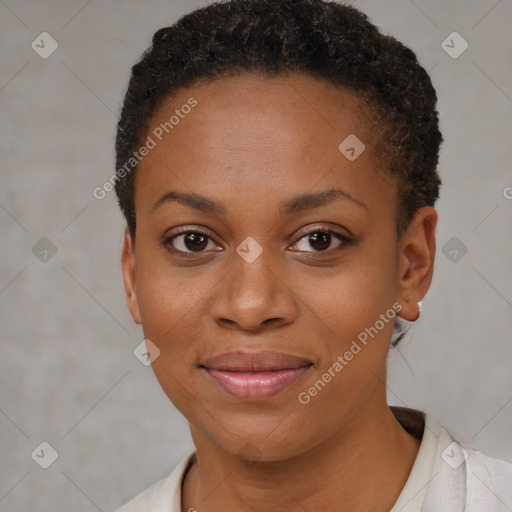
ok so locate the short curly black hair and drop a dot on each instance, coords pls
(327, 40)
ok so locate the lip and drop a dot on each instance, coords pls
(254, 376)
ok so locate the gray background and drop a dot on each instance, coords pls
(68, 375)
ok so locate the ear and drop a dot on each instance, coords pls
(128, 271)
(417, 250)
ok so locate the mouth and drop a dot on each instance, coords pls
(255, 376)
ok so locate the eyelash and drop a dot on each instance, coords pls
(167, 241)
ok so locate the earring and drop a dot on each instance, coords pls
(419, 305)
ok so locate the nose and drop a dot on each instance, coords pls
(254, 296)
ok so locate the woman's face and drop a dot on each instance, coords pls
(296, 254)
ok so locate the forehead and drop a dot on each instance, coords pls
(250, 134)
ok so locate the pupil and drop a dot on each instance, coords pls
(196, 241)
(322, 239)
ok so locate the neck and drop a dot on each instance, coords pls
(364, 466)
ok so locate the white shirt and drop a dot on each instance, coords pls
(446, 476)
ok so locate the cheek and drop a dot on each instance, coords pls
(352, 312)
(169, 300)
(166, 293)
(355, 312)
(351, 298)
(169, 308)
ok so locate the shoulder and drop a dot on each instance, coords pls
(488, 481)
(465, 475)
(164, 495)
(449, 475)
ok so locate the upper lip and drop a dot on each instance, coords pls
(261, 361)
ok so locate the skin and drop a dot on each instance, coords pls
(250, 144)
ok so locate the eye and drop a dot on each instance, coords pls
(190, 241)
(321, 240)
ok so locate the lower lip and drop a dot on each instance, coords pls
(254, 386)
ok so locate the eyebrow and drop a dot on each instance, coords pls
(292, 206)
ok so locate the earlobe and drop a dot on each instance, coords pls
(128, 271)
(417, 250)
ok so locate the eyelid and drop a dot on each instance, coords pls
(326, 227)
(180, 230)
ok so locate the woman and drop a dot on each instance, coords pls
(277, 171)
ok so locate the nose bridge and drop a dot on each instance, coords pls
(253, 292)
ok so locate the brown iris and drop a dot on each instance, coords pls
(195, 241)
(320, 241)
